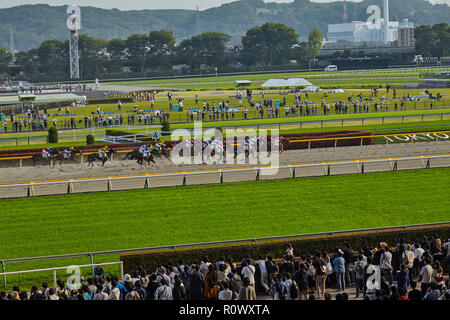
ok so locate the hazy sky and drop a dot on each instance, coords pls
(149, 4)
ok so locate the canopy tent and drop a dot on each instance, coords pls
(297, 82)
(292, 82)
(312, 89)
(336, 91)
(12, 100)
(242, 83)
(271, 83)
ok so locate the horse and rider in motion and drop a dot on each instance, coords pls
(103, 155)
(149, 152)
(212, 146)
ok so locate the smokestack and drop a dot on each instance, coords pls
(345, 13)
(386, 21)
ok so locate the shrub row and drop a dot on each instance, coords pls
(151, 259)
(110, 100)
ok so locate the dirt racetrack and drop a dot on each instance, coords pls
(164, 165)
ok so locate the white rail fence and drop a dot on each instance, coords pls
(54, 270)
(356, 167)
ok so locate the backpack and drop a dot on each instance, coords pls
(293, 290)
(280, 291)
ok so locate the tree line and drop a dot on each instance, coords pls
(267, 45)
(272, 44)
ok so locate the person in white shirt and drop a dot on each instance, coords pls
(51, 295)
(100, 295)
(248, 271)
(408, 258)
(226, 293)
(115, 292)
(164, 292)
(264, 275)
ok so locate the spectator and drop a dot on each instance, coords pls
(100, 295)
(51, 294)
(301, 278)
(321, 272)
(425, 274)
(179, 290)
(359, 275)
(278, 289)
(433, 292)
(248, 271)
(163, 292)
(115, 292)
(408, 259)
(402, 277)
(414, 294)
(263, 274)
(339, 270)
(197, 283)
(386, 264)
(247, 291)
(226, 293)
(211, 288)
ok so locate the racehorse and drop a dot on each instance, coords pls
(135, 154)
(39, 157)
(95, 156)
(61, 156)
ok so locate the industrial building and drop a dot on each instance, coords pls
(363, 31)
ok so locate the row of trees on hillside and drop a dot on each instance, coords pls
(433, 41)
(266, 45)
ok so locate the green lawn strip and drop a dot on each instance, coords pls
(259, 78)
(214, 97)
(310, 118)
(169, 216)
(397, 127)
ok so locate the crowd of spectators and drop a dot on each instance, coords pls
(307, 277)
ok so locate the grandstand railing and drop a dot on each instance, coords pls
(4, 274)
(196, 245)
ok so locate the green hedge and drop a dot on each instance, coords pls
(109, 100)
(116, 133)
(150, 260)
(90, 140)
(52, 135)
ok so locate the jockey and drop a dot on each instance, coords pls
(208, 140)
(247, 144)
(158, 146)
(143, 148)
(67, 152)
(46, 152)
(103, 151)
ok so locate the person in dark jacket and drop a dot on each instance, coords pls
(197, 282)
(179, 290)
(301, 278)
(402, 277)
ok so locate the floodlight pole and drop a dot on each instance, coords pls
(74, 24)
(74, 56)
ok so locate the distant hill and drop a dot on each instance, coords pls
(33, 24)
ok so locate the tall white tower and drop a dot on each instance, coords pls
(386, 20)
(74, 24)
(11, 47)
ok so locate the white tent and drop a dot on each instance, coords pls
(274, 83)
(337, 91)
(312, 89)
(298, 82)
